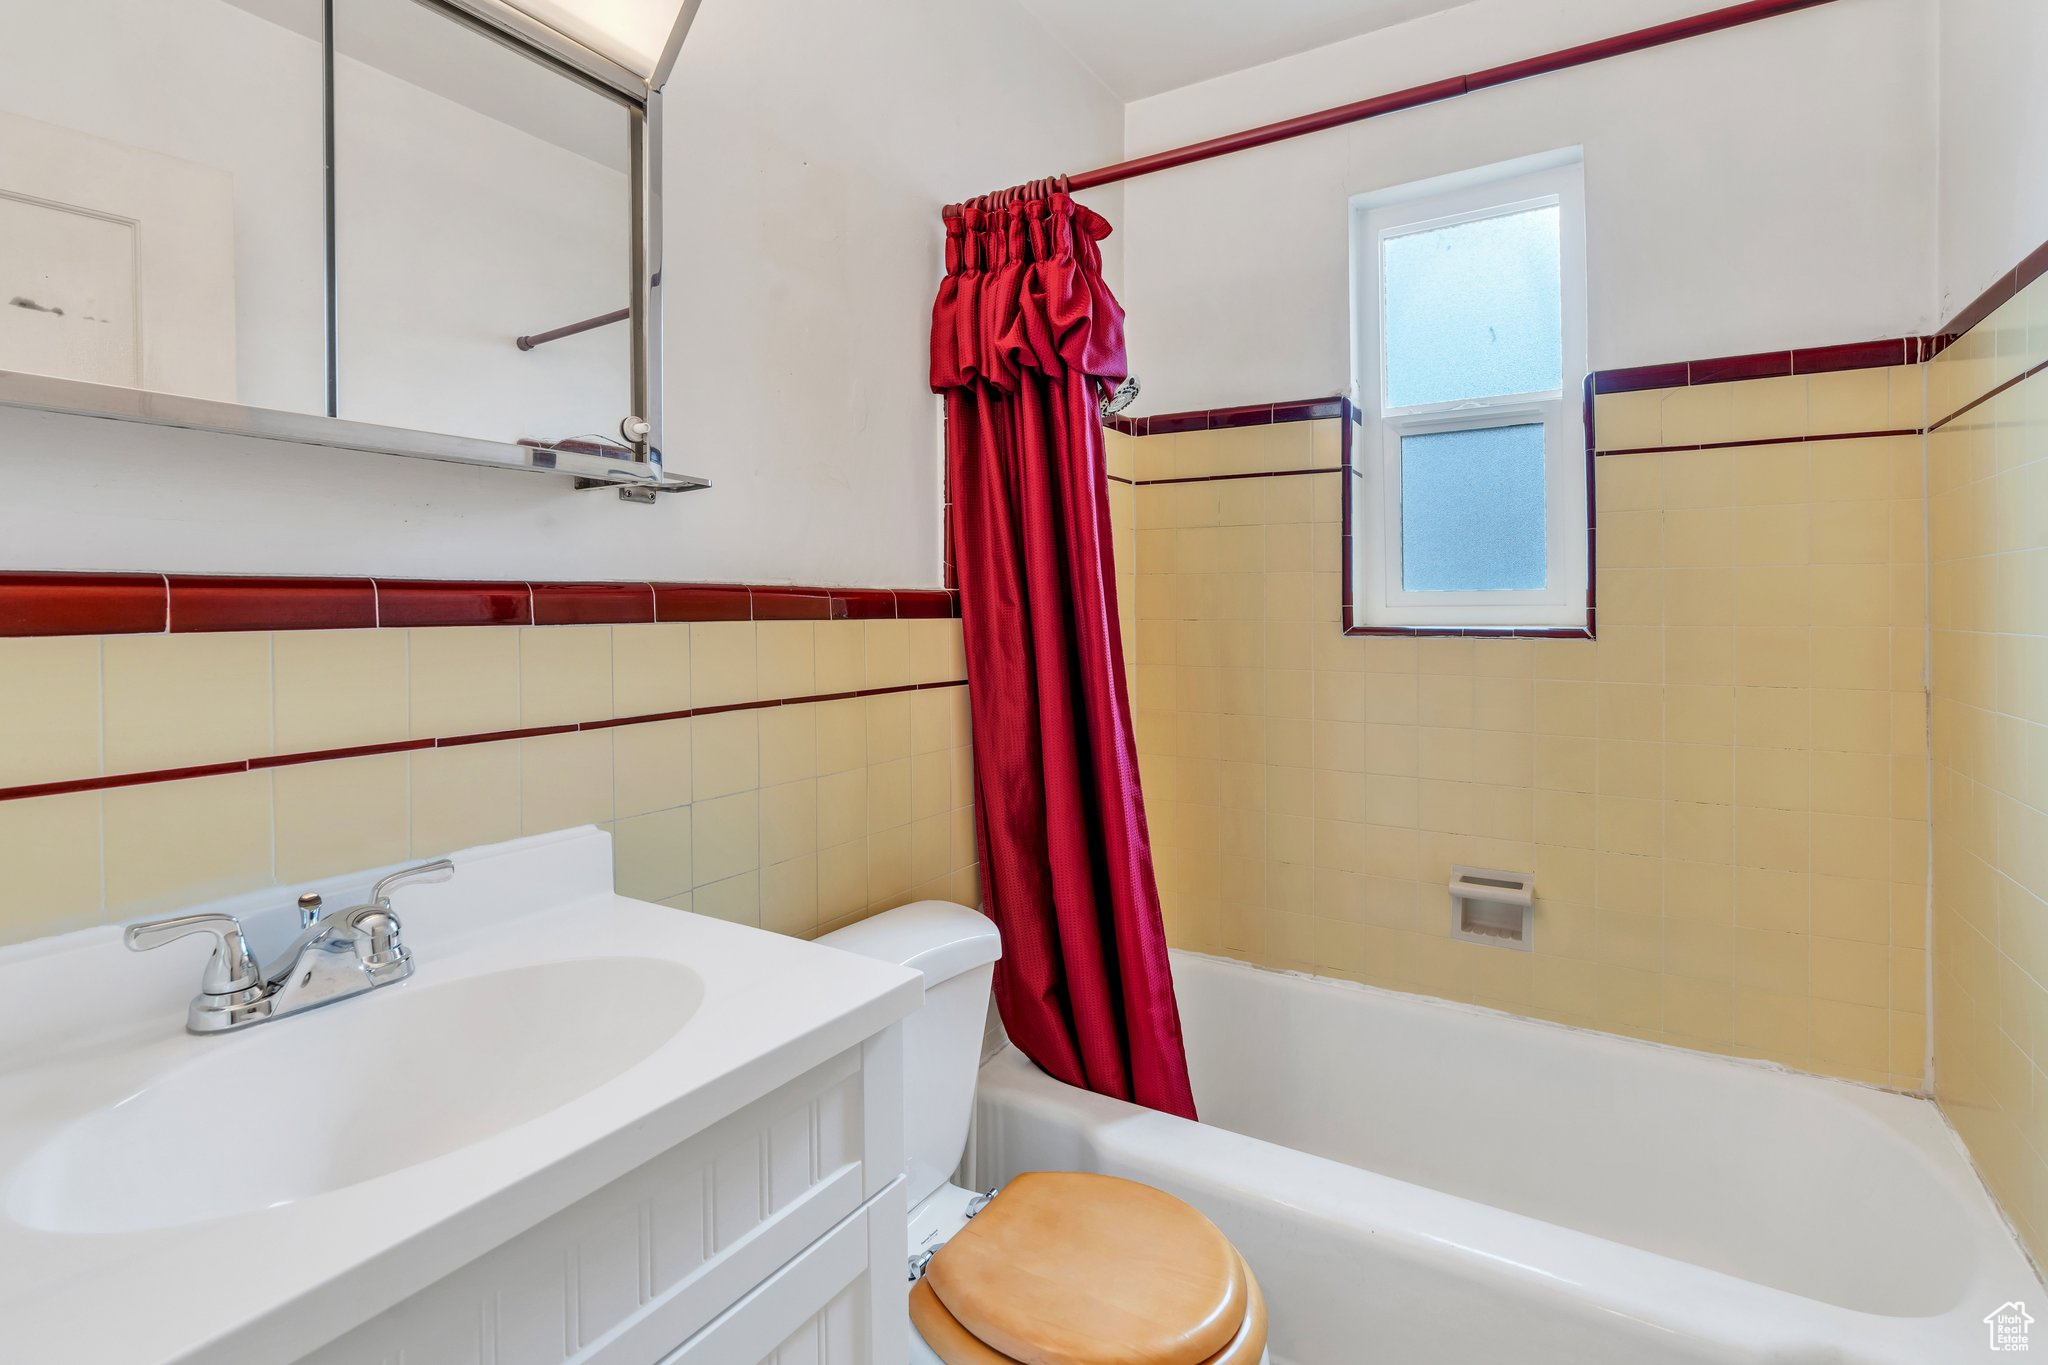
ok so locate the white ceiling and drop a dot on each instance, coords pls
(1142, 47)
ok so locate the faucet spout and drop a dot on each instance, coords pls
(339, 954)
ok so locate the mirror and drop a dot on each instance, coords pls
(256, 215)
(162, 197)
(481, 195)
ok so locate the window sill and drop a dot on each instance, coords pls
(1585, 632)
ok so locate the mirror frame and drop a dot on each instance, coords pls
(638, 478)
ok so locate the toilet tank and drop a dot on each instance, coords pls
(956, 949)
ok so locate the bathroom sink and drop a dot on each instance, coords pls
(312, 1105)
(246, 1197)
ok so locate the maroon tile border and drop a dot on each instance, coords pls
(703, 602)
(427, 602)
(399, 746)
(1981, 399)
(1766, 441)
(1854, 355)
(37, 604)
(1226, 478)
(863, 604)
(1224, 419)
(791, 604)
(593, 604)
(269, 761)
(83, 604)
(2001, 291)
(215, 604)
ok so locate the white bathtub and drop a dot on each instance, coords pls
(1421, 1182)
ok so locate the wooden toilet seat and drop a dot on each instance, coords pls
(1073, 1269)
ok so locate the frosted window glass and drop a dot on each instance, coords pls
(1472, 510)
(1473, 311)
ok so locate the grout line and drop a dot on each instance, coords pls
(265, 763)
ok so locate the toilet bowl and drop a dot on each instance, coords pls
(1057, 1265)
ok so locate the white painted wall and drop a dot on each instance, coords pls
(1756, 189)
(810, 148)
(1994, 142)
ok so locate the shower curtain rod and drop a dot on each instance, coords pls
(1657, 35)
(1638, 40)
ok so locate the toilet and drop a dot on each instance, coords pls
(1057, 1266)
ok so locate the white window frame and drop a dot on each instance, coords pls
(1378, 599)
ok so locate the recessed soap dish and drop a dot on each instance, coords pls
(1493, 907)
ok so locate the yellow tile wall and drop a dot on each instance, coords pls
(797, 818)
(1988, 539)
(1723, 798)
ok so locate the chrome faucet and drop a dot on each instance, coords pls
(339, 954)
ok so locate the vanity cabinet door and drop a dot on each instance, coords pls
(661, 1253)
(840, 1303)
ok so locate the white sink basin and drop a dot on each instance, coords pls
(245, 1198)
(315, 1103)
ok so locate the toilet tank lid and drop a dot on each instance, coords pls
(938, 938)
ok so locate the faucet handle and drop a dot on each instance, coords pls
(440, 870)
(232, 967)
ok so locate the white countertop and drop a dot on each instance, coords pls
(83, 1024)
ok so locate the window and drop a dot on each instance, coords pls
(1469, 500)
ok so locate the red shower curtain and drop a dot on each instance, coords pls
(1023, 333)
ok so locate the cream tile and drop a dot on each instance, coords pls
(789, 743)
(842, 881)
(53, 865)
(789, 897)
(842, 735)
(888, 726)
(173, 845)
(888, 795)
(933, 719)
(888, 653)
(175, 701)
(786, 665)
(336, 689)
(726, 837)
(464, 680)
(464, 796)
(789, 821)
(343, 816)
(840, 648)
(565, 780)
(652, 854)
(650, 669)
(842, 808)
(889, 868)
(651, 766)
(565, 674)
(723, 666)
(934, 649)
(726, 754)
(1764, 408)
(49, 710)
(1629, 421)
(736, 900)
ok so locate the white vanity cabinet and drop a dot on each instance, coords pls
(584, 1129)
(775, 1235)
